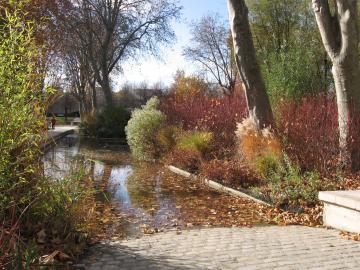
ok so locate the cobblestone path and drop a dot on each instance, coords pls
(292, 247)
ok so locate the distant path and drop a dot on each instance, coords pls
(272, 247)
(58, 133)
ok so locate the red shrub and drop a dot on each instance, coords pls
(354, 141)
(229, 172)
(310, 130)
(189, 160)
(215, 114)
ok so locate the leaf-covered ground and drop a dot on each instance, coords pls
(162, 201)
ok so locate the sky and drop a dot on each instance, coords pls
(152, 70)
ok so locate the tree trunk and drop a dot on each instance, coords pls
(257, 99)
(92, 84)
(105, 85)
(339, 33)
(81, 108)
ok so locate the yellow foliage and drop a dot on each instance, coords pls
(189, 85)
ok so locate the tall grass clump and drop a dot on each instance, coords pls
(196, 141)
(259, 149)
(142, 128)
(191, 149)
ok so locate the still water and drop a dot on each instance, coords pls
(144, 198)
(134, 190)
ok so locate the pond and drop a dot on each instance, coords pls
(138, 198)
(143, 198)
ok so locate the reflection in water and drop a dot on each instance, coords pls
(134, 191)
(140, 198)
(118, 181)
(97, 170)
(58, 161)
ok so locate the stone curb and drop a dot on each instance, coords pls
(216, 186)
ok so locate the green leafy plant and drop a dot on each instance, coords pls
(292, 74)
(22, 125)
(29, 201)
(142, 129)
(267, 165)
(288, 185)
(22, 111)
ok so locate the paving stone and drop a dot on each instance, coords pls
(292, 247)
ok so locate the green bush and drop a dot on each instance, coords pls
(266, 166)
(289, 186)
(292, 74)
(22, 112)
(142, 129)
(196, 141)
(109, 123)
(29, 202)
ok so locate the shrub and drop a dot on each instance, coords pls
(266, 165)
(218, 115)
(189, 85)
(189, 160)
(228, 172)
(196, 141)
(354, 141)
(22, 110)
(309, 128)
(292, 73)
(257, 147)
(22, 126)
(167, 137)
(288, 186)
(190, 150)
(142, 129)
(28, 200)
(110, 123)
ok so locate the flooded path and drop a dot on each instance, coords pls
(144, 198)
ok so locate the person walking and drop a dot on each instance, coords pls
(53, 122)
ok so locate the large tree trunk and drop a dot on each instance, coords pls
(339, 33)
(82, 108)
(105, 86)
(257, 99)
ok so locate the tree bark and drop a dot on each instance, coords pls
(257, 99)
(92, 83)
(339, 33)
(105, 85)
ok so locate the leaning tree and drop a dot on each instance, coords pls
(257, 98)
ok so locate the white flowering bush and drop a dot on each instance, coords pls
(142, 129)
